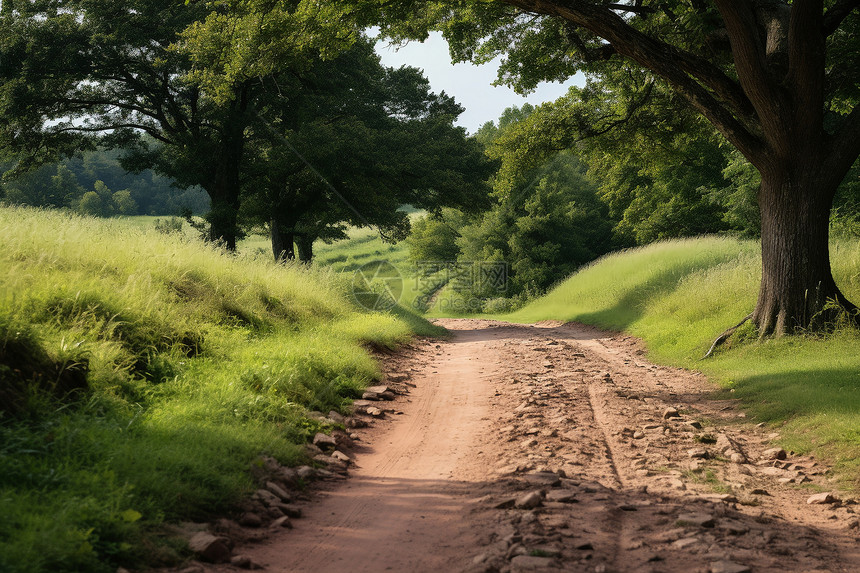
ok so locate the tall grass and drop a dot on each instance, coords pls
(195, 364)
(679, 295)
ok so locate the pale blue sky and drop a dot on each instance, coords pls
(470, 85)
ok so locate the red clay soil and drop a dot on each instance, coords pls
(559, 447)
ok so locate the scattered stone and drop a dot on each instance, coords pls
(324, 441)
(361, 406)
(291, 510)
(375, 412)
(340, 456)
(506, 503)
(529, 501)
(283, 521)
(638, 435)
(759, 491)
(278, 491)
(677, 484)
(549, 479)
(531, 562)
(267, 497)
(698, 453)
(737, 458)
(249, 519)
(587, 546)
(695, 424)
(529, 443)
(695, 519)
(210, 548)
(355, 423)
(379, 389)
(336, 417)
(724, 566)
(306, 472)
(671, 413)
(244, 562)
(377, 393)
(684, 543)
(733, 527)
(774, 454)
(822, 498)
(724, 497)
(561, 496)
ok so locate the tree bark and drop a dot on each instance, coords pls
(282, 242)
(797, 283)
(305, 246)
(226, 186)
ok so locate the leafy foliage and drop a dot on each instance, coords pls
(63, 185)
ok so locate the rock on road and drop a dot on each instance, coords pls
(559, 447)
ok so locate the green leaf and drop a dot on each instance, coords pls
(130, 515)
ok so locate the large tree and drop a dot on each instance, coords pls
(778, 80)
(187, 74)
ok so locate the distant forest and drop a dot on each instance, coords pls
(94, 183)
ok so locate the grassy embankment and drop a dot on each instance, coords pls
(679, 295)
(142, 374)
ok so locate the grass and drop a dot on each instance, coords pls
(357, 255)
(679, 295)
(143, 373)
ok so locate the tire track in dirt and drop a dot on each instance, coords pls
(578, 418)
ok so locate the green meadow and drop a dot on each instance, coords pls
(145, 372)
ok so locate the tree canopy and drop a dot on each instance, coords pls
(203, 91)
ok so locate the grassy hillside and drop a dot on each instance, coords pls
(679, 295)
(142, 373)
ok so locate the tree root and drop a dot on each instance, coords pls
(725, 336)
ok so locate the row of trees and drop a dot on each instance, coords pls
(280, 111)
(94, 183)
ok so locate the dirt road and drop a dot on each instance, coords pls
(559, 447)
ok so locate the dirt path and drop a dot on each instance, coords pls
(559, 447)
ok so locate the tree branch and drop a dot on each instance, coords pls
(638, 8)
(695, 78)
(750, 58)
(837, 13)
(806, 59)
(82, 129)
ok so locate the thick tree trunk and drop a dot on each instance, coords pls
(224, 192)
(305, 246)
(282, 242)
(797, 284)
(224, 210)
